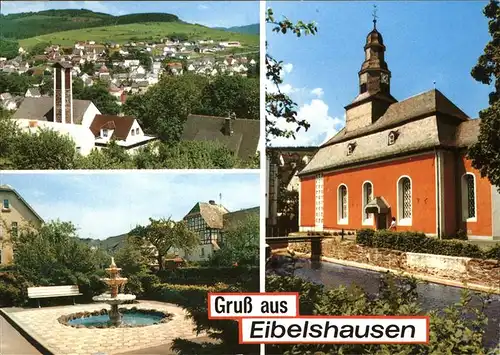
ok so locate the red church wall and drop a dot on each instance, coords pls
(483, 225)
(307, 202)
(384, 177)
(451, 194)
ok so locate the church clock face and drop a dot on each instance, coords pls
(384, 78)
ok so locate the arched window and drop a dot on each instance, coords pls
(367, 195)
(404, 200)
(469, 197)
(343, 202)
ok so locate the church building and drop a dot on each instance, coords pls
(398, 159)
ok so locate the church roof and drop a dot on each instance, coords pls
(425, 121)
(243, 142)
(41, 109)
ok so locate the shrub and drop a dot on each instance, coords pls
(186, 295)
(364, 237)
(208, 275)
(13, 290)
(493, 252)
(416, 242)
(458, 329)
(461, 235)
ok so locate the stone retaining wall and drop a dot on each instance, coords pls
(485, 272)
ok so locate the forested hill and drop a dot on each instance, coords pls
(31, 24)
(248, 29)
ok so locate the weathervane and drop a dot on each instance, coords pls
(375, 17)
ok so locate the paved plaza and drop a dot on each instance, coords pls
(42, 325)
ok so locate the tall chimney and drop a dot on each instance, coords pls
(212, 202)
(63, 93)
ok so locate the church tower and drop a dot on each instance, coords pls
(63, 93)
(374, 85)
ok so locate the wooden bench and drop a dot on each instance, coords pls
(53, 291)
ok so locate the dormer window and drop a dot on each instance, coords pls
(350, 148)
(391, 139)
(104, 132)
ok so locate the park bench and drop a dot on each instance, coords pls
(53, 291)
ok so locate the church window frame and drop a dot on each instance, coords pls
(367, 195)
(405, 201)
(469, 197)
(342, 204)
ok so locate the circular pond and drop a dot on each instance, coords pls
(130, 318)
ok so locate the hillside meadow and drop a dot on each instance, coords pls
(141, 32)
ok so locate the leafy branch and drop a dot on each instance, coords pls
(278, 104)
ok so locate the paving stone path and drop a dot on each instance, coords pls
(42, 324)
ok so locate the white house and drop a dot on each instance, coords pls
(80, 119)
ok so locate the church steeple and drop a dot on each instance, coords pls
(374, 75)
(374, 84)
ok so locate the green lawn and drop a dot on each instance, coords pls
(141, 31)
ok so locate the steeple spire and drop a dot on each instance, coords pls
(374, 83)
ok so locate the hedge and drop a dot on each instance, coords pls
(208, 275)
(416, 242)
(186, 295)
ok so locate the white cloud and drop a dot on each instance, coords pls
(318, 92)
(323, 126)
(101, 207)
(286, 68)
(203, 7)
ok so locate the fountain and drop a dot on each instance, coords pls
(113, 298)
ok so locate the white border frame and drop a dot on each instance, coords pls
(403, 221)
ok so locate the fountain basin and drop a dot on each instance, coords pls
(132, 317)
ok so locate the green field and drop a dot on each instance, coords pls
(141, 32)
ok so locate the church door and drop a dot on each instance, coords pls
(381, 221)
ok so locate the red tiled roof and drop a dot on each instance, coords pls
(121, 125)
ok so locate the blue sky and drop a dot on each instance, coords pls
(107, 204)
(426, 41)
(208, 13)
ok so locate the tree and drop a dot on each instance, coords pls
(99, 95)
(280, 106)
(8, 48)
(163, 109)
(240, 244)
(53, 255)
(39, 48)
(485, 154)
(87, 68)
(44, 150)
(47, 85)
(165, 235)
(9, 132)
(111, 157)
(14, 83)
(226, 94)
